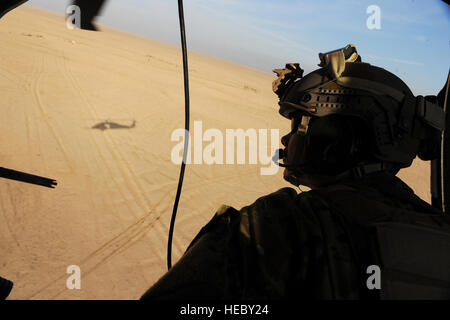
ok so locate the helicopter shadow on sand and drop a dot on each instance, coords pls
(105, 125)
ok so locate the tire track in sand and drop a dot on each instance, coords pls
(35, 81)
(126, 171)
(116, 245)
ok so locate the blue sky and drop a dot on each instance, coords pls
(413, 42)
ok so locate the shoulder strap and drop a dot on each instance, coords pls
(349, 249)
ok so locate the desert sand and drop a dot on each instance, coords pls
(111, 210)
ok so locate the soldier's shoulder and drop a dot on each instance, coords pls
(276, 204)
(280, 196)
(280, 200)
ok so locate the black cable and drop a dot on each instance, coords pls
(445, 149)
(186, 136)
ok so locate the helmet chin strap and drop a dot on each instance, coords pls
(353, 173)
(363, 170)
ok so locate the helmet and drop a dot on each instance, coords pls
(347, 99)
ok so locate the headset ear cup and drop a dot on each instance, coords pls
(330, 156)
(335, 144)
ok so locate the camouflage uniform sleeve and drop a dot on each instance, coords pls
(238, 255)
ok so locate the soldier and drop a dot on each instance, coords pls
(354, 126)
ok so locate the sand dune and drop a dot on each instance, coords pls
(111, 210)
